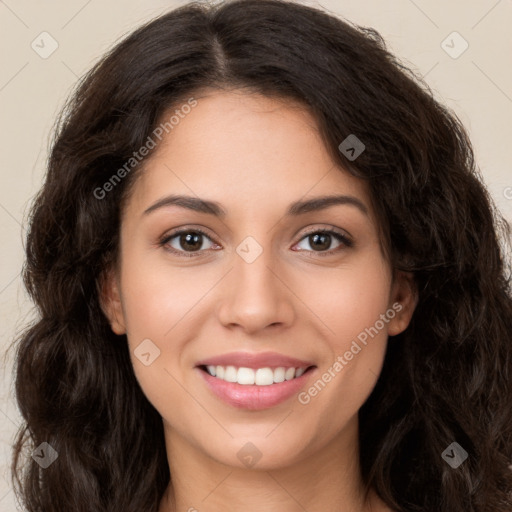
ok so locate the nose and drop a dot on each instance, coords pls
(255, 295)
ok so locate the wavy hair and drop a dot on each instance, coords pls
(447, 378)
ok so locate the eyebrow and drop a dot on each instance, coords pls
(297, 208)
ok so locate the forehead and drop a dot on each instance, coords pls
(246, 151)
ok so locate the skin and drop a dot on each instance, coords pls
(255, 156)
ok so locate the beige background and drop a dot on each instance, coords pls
(477, 86)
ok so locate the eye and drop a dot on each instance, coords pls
(191, 242)
(186, 242)
(321, 240)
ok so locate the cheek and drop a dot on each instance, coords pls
(157, 297)
(350, 299)
(350, 306)
(156, 304)
(156, 300)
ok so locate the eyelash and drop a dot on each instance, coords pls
(340, 237)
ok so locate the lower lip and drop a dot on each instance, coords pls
(252, 397)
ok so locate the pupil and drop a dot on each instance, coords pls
(187, 241)
(318, 238)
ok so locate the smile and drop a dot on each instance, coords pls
(254, 389)
(249, 376)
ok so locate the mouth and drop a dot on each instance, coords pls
(265, 376)
(254, 382)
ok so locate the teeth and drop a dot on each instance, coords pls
(260, 377)
(279, 374)
(245, 376)
(264, 377)
(231, 375)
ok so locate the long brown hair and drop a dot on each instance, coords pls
(447, 378)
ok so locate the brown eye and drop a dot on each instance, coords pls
(191, 241)
(186, 242)
(320, 242)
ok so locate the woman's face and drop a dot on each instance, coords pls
(263, 280)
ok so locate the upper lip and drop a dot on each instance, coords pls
(255, 360)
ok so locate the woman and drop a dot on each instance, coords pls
(268, 277)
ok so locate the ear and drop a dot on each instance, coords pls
(403, 300)
(110, 301)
